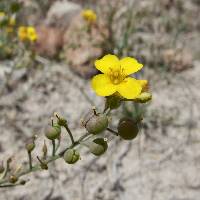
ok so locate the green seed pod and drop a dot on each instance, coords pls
(98, 146)
(53, 132)
(71, 156)
(30, 144)
(127, 129)
(113, 102)
(1, 168)
(97, 124)
(13, 179)
(144, 97)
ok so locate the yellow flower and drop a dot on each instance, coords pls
(115, 77)
(31, 34)
(2, 14)
(9, 29)
(22, 33)
(89, 15)
(12, 21)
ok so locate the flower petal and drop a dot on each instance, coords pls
(107, 62)
(129, 88)
(102, 85)
(144, 84)
(130, 65)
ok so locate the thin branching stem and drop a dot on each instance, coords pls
(112, 131)
(30, 160)
(70, 134)
(5, 182)
(53, 147)
(6, 169)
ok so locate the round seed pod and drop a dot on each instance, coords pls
(98, 146)
(97, 124)
(53, 132)
(127, 129)
(30, 145)
(71, 156)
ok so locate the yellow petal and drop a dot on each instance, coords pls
(130, 65)
(102, 85)
(144, 84)
(129, 88)
(107, 62)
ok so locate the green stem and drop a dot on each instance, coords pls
(6, 169)
(30, 160)
(9, 185)
(54, 148)
(112, 131)
(37, 167)
(58, 145)
(70, 133)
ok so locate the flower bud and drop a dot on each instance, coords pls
(113, 102)
(44, 150)
(13, 179)
(71, 156)
(43, 163)
(30, 144)
(53, 132)
(98, 146)
(1, 168)
(127, 129)
(61, 121)
(97, 124)
(143, 97)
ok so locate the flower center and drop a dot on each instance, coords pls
(116, 76)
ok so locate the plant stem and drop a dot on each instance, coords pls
(9, 185)
(58, 145)
(70, 134)
(30, 160)
(54, 148)
(6, 169)
(112, 131)
(37, 167)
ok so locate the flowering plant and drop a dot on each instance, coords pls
(116, 87)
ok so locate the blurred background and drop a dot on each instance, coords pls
(52, 72)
